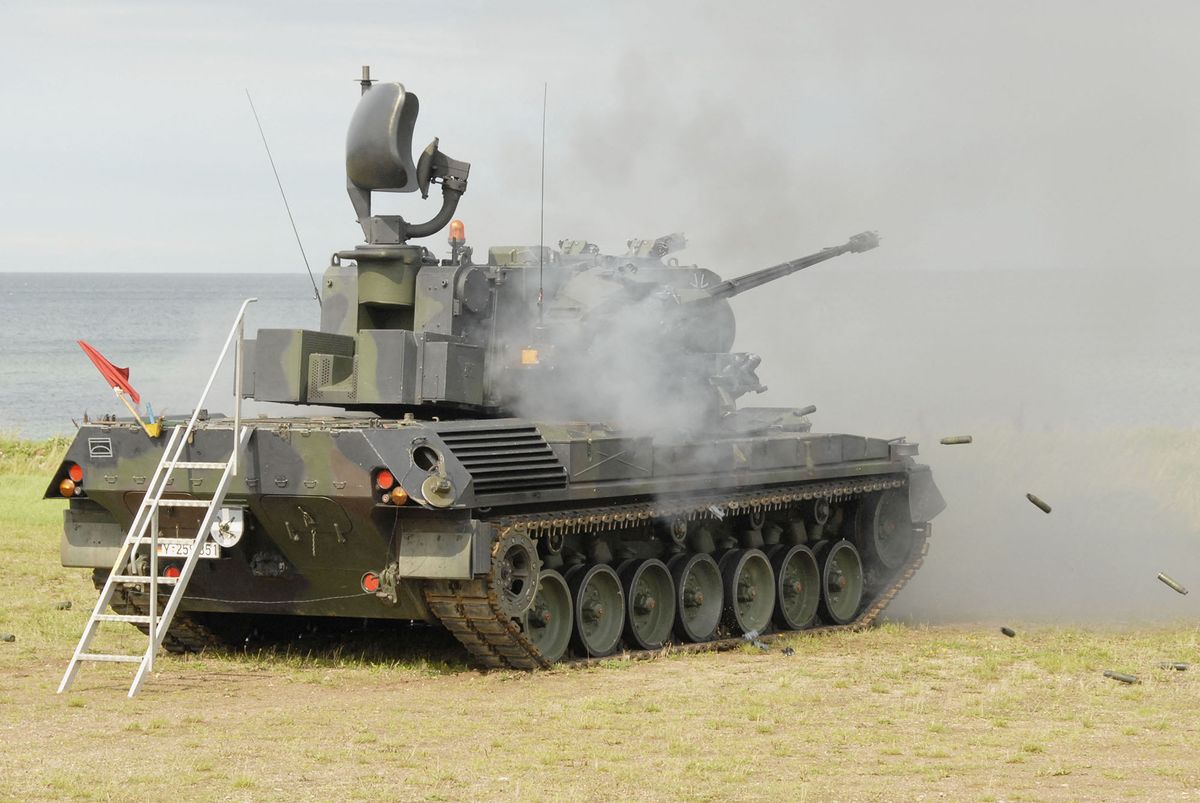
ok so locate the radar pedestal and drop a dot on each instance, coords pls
(379, 159)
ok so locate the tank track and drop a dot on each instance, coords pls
(472, 612)
(185, 633)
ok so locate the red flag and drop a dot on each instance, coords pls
(117, 377)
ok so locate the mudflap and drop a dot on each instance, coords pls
(924, 499)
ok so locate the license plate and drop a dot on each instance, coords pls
(182, 549)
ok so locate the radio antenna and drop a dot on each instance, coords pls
(542, 212)
(283, 195)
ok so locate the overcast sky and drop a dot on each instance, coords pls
(971, 135)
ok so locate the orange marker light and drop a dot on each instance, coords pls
(384, 480)
(458, 232)
(529, 357)
(399, 496)
(67, 487)
(75, 472)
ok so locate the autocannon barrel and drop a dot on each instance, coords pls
(731, 287)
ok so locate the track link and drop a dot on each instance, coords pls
(471, 611)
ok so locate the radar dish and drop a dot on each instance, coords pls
(379, 142)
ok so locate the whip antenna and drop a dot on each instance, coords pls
(542, 211)
(271, 159)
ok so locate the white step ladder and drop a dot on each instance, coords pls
(143, 534)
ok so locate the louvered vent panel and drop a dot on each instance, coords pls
(507, 459)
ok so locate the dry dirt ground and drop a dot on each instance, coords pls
(891, 713)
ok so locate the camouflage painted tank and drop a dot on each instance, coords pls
(541, 452)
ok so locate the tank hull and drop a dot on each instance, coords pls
(322, 539)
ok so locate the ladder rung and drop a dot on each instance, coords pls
(182, 464)
(184, 502)
(143, 579)
(123, 617)
(116, 659)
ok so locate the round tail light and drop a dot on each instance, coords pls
(370, 582)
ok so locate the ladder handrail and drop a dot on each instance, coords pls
(175, 448)
(191, 424)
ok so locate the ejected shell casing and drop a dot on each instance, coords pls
(7, 637)
(809, 410)
(1037, 500)
(1008, 631)
(1171, 583)
(1178, 666)
(954, 439)
(65, 605)
(1121, 676)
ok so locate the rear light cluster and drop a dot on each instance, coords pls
(72, 484)
(387, 491)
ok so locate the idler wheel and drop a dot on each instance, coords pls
(548, 622)
(749, 586)
(699, 596)
(883, 529)
(649, 602)
(797, 586)
(841, 581)
(515, 567)
(599, 608)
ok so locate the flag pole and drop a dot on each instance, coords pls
(153, 429)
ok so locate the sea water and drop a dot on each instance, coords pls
(167, 329)
(878, 352)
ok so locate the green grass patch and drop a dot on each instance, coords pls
(23, 457)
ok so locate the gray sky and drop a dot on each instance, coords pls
(971, 135)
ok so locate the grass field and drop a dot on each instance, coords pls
(896, 712)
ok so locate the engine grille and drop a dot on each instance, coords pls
(506, 459)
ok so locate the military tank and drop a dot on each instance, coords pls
(541, 452)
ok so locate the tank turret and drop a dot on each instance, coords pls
(562, 333)
(623, 332)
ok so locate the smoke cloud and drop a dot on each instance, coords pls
(1025, 171)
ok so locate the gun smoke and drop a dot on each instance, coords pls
(1023, 292)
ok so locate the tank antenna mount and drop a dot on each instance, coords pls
(542, 212)
(283, 195)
